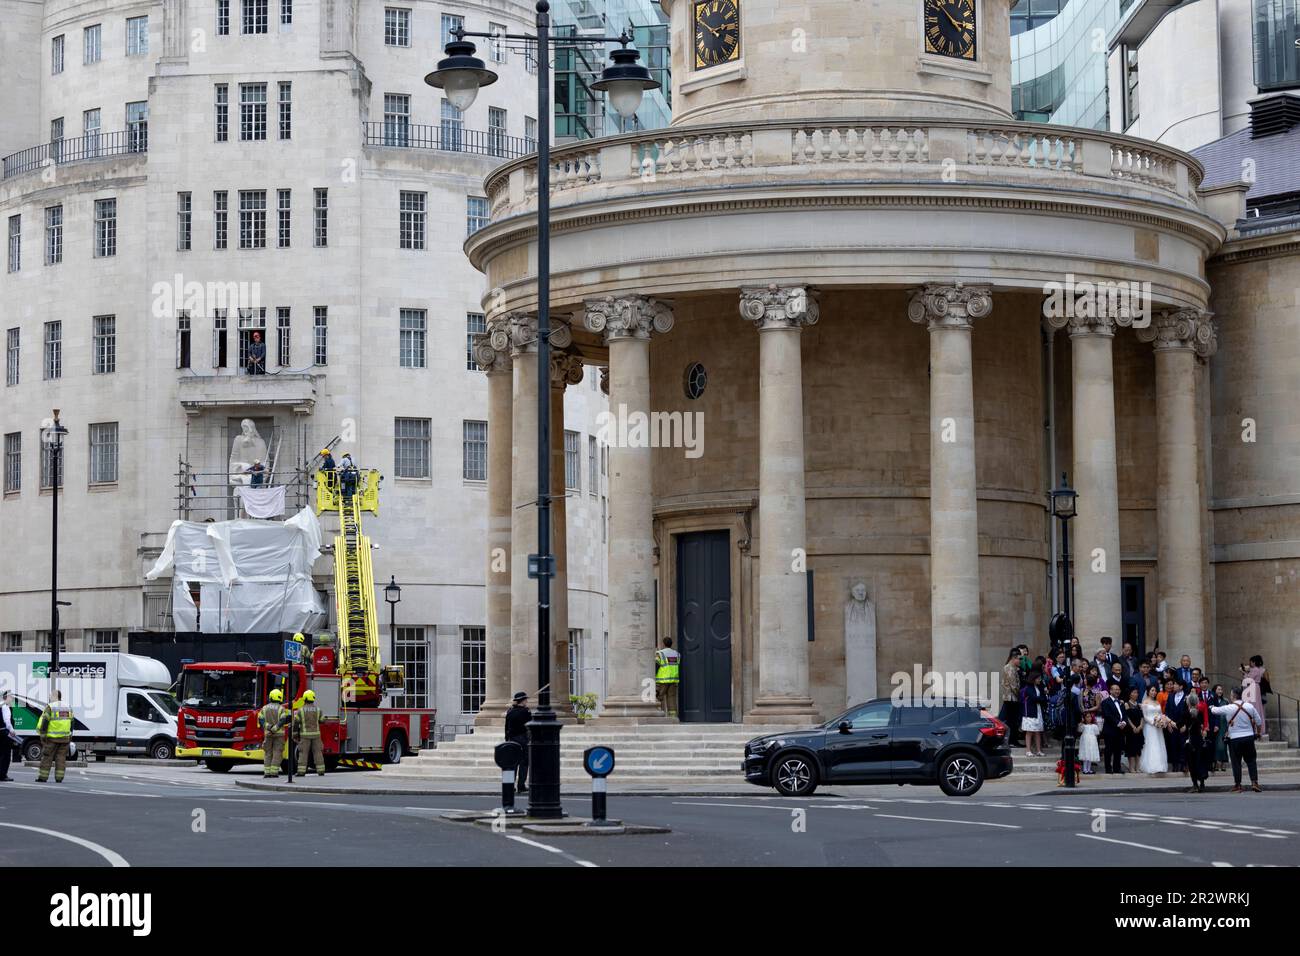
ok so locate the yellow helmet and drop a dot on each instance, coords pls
(298, 638)
(276, 696)
(309, 696)
(324, 451)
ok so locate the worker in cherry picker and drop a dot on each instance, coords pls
(328, 468)
(348, 475)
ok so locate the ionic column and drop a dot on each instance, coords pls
(780, 313)
(566, 370)
(949, 311)
(627, 323)
(523, 510)
(1179, 337)
(492, 355)
(1096, 557)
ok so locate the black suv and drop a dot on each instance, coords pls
(956, 745)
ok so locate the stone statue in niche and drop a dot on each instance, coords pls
(247, 448)
(859, 646)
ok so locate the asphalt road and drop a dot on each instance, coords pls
(112, 814)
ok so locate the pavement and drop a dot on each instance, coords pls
(185, 816)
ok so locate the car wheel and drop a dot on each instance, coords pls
(161, 750)
(219, 766)
(961, 775)
(32, 750)
(794, 775)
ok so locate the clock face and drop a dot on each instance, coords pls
(717, 32)
(950, 28)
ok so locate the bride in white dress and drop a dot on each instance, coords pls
(1154, 759)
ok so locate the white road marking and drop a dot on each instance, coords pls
(751, 806)
(1140, 846)
(964, 823)
(551, 849)
(1220, 863)
(114, 859)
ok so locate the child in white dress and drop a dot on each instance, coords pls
(1089, 751)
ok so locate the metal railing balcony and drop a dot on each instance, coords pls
(448, 137)
(75, 150)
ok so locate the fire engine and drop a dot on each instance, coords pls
(220, 701)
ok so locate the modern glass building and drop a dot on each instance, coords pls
(1058, 60)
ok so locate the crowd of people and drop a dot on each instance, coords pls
(1135, 714)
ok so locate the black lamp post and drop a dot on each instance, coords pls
(393, 595)
(1064, 507)
(460, 76)
(52, 436)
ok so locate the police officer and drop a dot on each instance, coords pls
(273, 718)
(55, 728)
(667, 676)
(306, 723)
(517, 718)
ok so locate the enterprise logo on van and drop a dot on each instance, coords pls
(87, 669)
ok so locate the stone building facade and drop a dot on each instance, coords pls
(900, 314)
(318, 109)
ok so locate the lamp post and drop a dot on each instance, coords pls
(393, 595)
(460, 76)
(1064, 507)
(52, 436)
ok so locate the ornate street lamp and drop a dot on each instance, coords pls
(461, 75)
(52, 435)
(393, 595)
(1064, 507)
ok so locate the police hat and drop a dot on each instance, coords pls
(520, 696)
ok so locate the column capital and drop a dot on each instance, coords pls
(628, 316)
(949, 306)
(604, 379)
(779, 306)
(566, 369)
(492, 348)
(1182, 329)
(523, 332)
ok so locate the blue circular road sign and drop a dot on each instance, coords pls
(598, 761)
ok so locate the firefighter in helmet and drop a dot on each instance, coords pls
(273, 718)
(55, 728)
(306, 723)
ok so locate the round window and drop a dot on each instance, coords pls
(696, 379)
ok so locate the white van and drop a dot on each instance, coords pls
(120, 702)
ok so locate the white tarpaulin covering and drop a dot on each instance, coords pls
(262, 501)
(253, 577)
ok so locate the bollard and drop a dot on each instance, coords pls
(598, 761)
(598, 791)
(507, 756)
(1068, 752)
(508, 791)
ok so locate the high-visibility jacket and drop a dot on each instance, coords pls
(272, 718)
(668, 666)
(55, 722)
(306, 721)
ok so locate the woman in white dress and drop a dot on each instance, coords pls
(1154, 758)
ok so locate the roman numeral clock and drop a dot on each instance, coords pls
(717, 33)
(950, 28)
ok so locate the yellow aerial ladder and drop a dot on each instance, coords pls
(354, 586)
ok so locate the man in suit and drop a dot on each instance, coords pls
(1110, 656)
(1112, 729)
(1116, 676)
(1130, 662)
(1185, 671)
(1174, 708)
(1144, 679)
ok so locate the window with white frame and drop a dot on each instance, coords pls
(254, 18)
(13, 353)
(13, 641)
(475, 453)
(530, 132)
(250, 321)
(56, 139)
(320, 334)
(51, 464)
(221, 108)
(497, 42)
(530, 57)
(90, 127)
(220, 219)
(572, 461)
(53, 234)
(411, 447)
(220, 338)
(105, 344)
(284, 218)
(286, 110)
(593, 466)
(473, 669)
(103, 453)
(252, 111)
(252, 219)
(397, 26)
(15, 243)
(411, 338)
(321, 218)
(397, 119)
(286, 13)
(105, 228)
(105, 640)
(475, 325)
(137, 126)
(13, 462)
(91, 46)
(183, 339)
(411, 219)
(43, 641)
(53, 350)
(283, 336)
(184, 221)
(496, 131)
(476, 214)
(137, 36)
(452, 127)
(223, 18)
(412, 652)
(450, 24)
(56, 55)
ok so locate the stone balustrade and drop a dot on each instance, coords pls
(924, 150)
